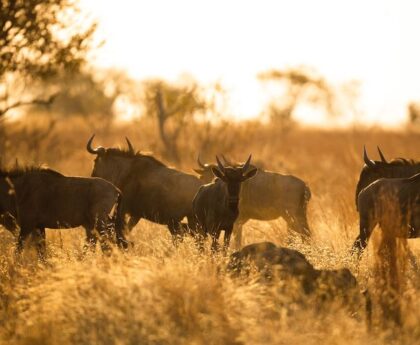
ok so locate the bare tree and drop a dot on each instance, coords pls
(38, 39)
(173, 106)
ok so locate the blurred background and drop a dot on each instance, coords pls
(182, 78)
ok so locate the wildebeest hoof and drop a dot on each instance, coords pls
(125, 244)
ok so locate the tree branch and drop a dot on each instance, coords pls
(35, 101)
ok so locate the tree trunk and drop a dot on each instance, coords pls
(170, 146)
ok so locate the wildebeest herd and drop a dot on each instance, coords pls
(127, 185)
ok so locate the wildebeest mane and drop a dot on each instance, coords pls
(130, 154)
(400, 162)
(19, 171)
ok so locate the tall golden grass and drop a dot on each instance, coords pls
(159, 294)
(391, 259)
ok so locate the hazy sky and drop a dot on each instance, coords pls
(373, 41)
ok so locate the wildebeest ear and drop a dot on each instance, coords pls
(216, 172)
(198, 171)
(249, 174)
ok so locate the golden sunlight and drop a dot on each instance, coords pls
(216, 172)
(231, 42)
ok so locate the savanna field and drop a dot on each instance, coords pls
(156, 293)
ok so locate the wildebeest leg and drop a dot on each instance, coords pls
(302, 222)
(297, 222)
(41, 243)
(118, 225)
(175, 230)
(215, 240)
(412, 259)
(228, 233)
(24, 232)
(199, 240)
(368, 309)
(193, 226)
(132, 222)
(237, 233)
(104, 234)
(113, 224)
(91, 239)
(214, 243)
(366, 228)
(199, 237)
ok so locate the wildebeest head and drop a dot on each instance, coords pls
(108, 164)
(374, 170)
(205, 170)
(8, 212)
(233, 176)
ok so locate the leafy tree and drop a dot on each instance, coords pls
(301, 86)
(86, 93)
(93, 94)
(38, 40)
(414, 113)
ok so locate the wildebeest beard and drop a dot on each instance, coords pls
(233, 197)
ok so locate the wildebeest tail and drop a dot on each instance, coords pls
(304, 207)
(368, 308)
(119, 224)
(307, 194)
(391, 257)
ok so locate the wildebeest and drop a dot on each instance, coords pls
(371, 172)
(391, 203)
(374, 170)
(39, 198)
(288, 264)
(216, 204)
(264, 255)
(268, 196)
(151, 190)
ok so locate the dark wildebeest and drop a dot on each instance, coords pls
(263, 255)
(391, 203)
(216, 204)
(374, 170)
(151, 190)
(285, 264)
(371, 172)
(39, 198)
(268, 196)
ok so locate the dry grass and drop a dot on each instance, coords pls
(158, 294)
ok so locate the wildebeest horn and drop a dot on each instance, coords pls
(130, 147)
(381, 155)
(246, 165)
(89, 146)
(201, 165)
(368, 161)
(220, 165)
